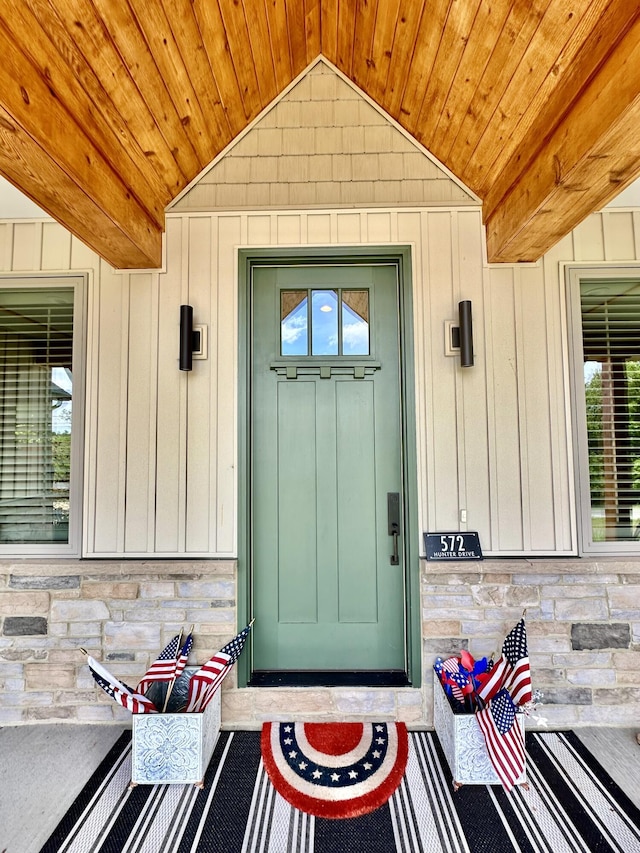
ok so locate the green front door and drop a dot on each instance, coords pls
(326, 454)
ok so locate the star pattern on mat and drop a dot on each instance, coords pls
(331, 776)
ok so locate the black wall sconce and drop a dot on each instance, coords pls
(466, 333)
(459, 339)
(193, 339)
(186, 337)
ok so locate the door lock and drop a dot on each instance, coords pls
(393, 519)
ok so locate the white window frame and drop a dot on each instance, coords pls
(574, 276)
(78, 282)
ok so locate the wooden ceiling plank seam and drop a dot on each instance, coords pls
(455, 37)
(500, 138)
(586, 57)
(297, 36)
(32, 169)
(313, 29)
(347, 26)
(196, 61)
(129, 42)
(87, 31)
(329, 29)
(235, 27)
(402, 53)
(52, 54)
(362, 40)
(34, 106)
(581, 147)
(524, 19)
(260, 46)
(487, 26)
(214, 38)
(426, 50)
(157, 32)
(278, 36)
(387, 15)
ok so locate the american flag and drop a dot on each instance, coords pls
(183, 657)
(512, 669)
(119, 691)
(163, 668)
(207, 679)
(504, 738)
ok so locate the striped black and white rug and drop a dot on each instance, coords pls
(572, 806)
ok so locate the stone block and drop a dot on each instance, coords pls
(624, 601)
(523, 596)
(617, 695)
(40, 676)
(84, 629)
(24, 626)
(585, 635)
(44, 582)
(58, 712)
(542, 676)
(582, 608)
(11, 716)
(441, 627)
(591, 677)
(158, 589)
(568, 696)
(79, 611)
(24, 603)
(207, 589)
(95, 713)
(605, 715)
(124, 635)
(626, 660)
(576, 659)
(442, 647)
(369, 702)
(105, 591)
(222, 617)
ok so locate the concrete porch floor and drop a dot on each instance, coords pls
(43, 768)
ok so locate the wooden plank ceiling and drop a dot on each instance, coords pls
(109, 108)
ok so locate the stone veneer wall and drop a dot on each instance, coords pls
(583, 622)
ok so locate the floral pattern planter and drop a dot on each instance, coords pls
(174, 748)
(463, 743)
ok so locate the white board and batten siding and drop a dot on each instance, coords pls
(161, 445)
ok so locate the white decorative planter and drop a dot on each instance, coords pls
(463, 743)
(174, 748)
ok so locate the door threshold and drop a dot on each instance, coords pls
(329, 678)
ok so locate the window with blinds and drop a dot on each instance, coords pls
(36, 397)
(610, 312)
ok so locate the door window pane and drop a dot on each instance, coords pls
(294, 333)
(324, 322)
(36, 391)
(611, 344)
(355, 322)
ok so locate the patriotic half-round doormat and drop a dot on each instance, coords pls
(335, 770)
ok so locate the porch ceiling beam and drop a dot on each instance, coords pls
(554, 182)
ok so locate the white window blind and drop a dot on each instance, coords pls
(36, 392)
(610, 313)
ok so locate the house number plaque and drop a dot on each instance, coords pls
(454, 545)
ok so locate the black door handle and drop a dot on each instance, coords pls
(393, 520)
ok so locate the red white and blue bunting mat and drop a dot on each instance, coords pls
(335, 770)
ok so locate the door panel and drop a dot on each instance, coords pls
(325, 451)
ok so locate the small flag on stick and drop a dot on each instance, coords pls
(504, 738)
(119, 691)
(163, 668)
(511, 670)
(210, 676)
